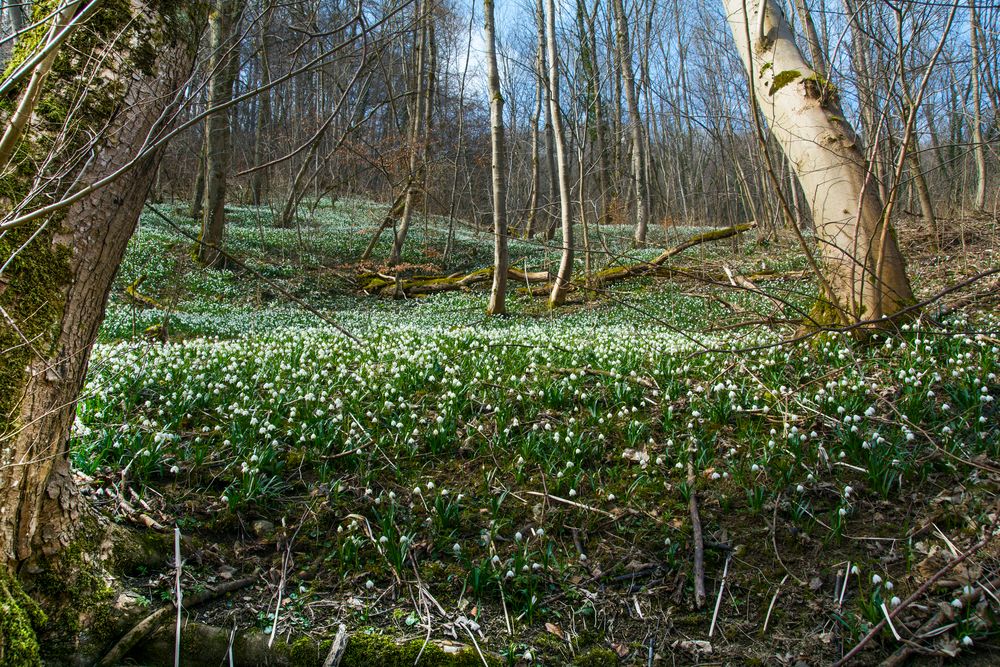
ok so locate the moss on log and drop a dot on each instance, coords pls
(420, 285)
(204, 645)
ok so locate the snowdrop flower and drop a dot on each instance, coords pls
(854, 570)
(967, 640)
(894, 601)
(457, 548)
(876, 580)
(611, 497)
(956, 603)
(800, 488)
(369, 584)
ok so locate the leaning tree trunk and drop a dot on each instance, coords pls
(58, 267)
(558, 295)
(498, 293)
(218, 131)
(806, 119)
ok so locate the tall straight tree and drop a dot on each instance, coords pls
(59, 257)
(223, 63)
(862, 267)
(561, 285)
(639, 183)
(498, 293)
(418, 131)
(978, 145)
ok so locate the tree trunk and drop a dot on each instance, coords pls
(536, 181)
(822, 148)
(54, 289)
(978, 145)
(558, 295)
(259, 178)
(812, 39)
(223, 65)
(498, 292)
(416, 137)
(635, 123)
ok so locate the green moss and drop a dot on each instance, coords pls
(364, 650)
(597, 657)
(73, 587)
(782, 79)
(20, 620)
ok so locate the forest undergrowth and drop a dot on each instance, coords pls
(526, 486)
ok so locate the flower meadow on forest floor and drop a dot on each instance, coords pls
(520, 464)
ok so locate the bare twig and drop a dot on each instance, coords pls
(916, 594)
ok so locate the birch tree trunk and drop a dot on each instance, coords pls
(218, 131)
(58, 269)
(558, 295)
(822, 148)
(639, 184)
(498, 292)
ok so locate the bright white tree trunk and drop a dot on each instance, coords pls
(804, 115)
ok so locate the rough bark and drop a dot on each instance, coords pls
(224, 61)
(498, 292)
(822, 148)
(54, 290)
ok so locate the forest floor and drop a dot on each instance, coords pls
(523, 485)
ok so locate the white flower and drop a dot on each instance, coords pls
(876, 580)
(369, 584)
(967, 640)
(895, 601)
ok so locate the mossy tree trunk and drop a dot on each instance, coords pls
(861, 262)
(223, 64)
(134, 56)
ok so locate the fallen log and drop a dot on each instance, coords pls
(420, 285)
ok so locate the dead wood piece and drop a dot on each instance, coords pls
(338, 648)
(699, 539)
(143, 628)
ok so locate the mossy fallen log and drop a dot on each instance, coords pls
(420, 285)
(204, 645)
